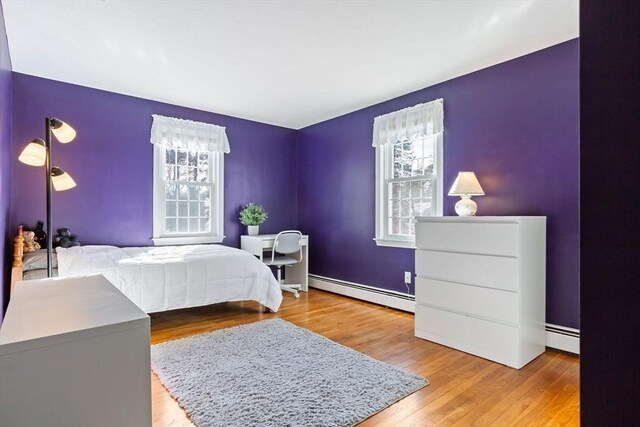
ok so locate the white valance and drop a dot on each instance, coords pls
(172, 132)
(409, 123)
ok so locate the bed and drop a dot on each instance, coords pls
(162, 278)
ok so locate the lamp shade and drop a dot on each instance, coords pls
(34, 154)
(61, 180)
(466, 184)
(63, 132)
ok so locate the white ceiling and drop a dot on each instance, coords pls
(286, 62)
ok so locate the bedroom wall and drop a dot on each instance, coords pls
(111, 161)
(515, 124)
(5, 162)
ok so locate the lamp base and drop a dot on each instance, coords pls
(466, 206)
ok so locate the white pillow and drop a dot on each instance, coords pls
(37, 260)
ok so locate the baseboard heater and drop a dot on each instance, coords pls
(558, 337)
(393, 299)
(573, 333)
(563, 338)
(365, 287)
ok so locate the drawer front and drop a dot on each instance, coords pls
(480, 270)
(472, 300)
(469, 237)
(483, 338)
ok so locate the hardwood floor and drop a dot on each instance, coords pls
(464, 390)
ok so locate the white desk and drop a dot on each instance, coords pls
(297, 273)
(74, 352)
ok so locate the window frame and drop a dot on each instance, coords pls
(216, 177)
(384, 172)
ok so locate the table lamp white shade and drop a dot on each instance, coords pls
(465, 186)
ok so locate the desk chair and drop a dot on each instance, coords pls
(288, 245)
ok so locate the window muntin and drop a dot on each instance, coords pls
(188, 185)
(187, 195)
(410, 184)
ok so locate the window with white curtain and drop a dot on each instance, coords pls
(409, 164)
(188, 184)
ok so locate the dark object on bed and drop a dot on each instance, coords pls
(65, 239)
(41, 235)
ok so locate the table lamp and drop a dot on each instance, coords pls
(465, 186)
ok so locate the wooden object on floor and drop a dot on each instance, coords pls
(464, 390)
(480, 285)
(16, 265)
(74, 352)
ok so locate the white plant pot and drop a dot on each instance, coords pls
(253, 230)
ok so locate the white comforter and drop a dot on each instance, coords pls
(171, 277)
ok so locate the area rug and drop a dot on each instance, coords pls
(273, 373)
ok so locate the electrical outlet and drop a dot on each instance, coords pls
(407, 277)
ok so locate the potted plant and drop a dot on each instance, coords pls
(252, 216)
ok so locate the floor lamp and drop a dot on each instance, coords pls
(38, 153)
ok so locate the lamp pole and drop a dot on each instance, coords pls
(47, 168)
(38, 153)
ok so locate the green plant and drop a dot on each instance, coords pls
(252, 214)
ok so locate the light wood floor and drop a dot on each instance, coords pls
(464, 390)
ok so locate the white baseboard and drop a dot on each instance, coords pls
(563, 338)
(397, 300)
(558, 337)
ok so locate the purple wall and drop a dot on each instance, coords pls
(111, 160)
(5, 161)
(515, 124)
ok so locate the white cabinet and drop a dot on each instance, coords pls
(74, 352)
(480, 285)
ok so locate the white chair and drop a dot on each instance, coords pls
(288, 245)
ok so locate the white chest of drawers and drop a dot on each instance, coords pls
(74, 352)
(480, 285)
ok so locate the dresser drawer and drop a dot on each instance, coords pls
(481, 270)
(494, 341)
(472, 300)
(469, 237)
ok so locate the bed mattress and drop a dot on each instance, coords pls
(172, 277)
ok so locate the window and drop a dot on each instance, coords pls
(409, 152)
(188, 181)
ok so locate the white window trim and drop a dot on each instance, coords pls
(382, 164)
(159, 205)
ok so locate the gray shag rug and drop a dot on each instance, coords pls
(273, 373)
